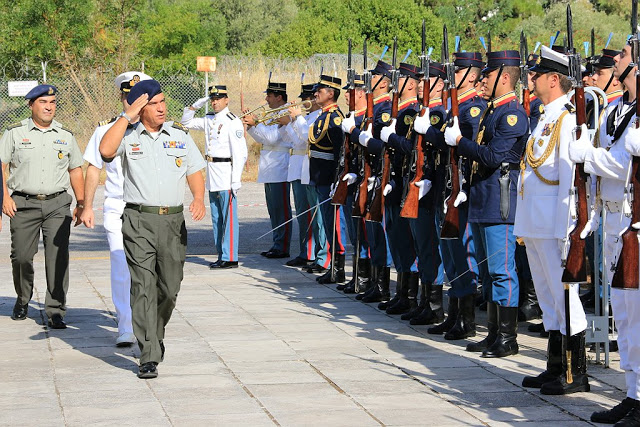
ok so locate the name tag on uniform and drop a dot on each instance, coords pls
(135, 149)
(60, 142)
(174, 144)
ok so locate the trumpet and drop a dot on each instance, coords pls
(263, 107)
(271, 116)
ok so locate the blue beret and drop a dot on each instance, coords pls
(150, 87)
(41, 90)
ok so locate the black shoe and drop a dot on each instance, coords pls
(20, 312)
(213, 265)
(275, 253)
(616, 413)
(315, 268)
(161, 351)
(554, 363)
(56, 322)
(506, 343)
(576, 346)
(298, 262)
(148, 370)
(536, 327)
(225, 264)
(632, 419)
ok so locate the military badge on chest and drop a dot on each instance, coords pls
(179, 162)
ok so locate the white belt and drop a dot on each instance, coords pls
(275, 148)
(320, 155)
(298, 152)
(613, 207)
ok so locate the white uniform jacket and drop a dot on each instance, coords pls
(542, 211)
(115, 178)
(274, 155)
(224, 136)
(298, 132)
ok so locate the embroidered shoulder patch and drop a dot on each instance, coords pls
(512, 119)
(385, 117)
(474, 111)
(408, 120)
(239, 133)
(541, 108)
(337, 120)
(435, 120)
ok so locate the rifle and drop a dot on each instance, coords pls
(451, 224)
(524, 74)
(377, 201)
(360, 203)
(340, 194)
(626, 274)
(410, 200)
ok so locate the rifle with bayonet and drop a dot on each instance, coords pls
(377, 201)
(410, 199)
(451, 224)
(627, 269)
(360, 203)
(340, 194)
(524, 74)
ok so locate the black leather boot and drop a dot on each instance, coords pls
(465, 325)
(492, 326)
(409, 294)
(364, 274)
(433, 312)
(505, 343)
(421, 303)
(381, 288)
(399, 283)
(575, 344)
(452, 314)
(372, 282)
(528, 308)
(351, 284)
(616, 413)
(339, 272)
(632, 419)
(554, 363)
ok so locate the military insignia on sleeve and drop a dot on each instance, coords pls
(541, 108)
(337, 121)
(512, 119)
(178, 161)
(408, 120)
(385, 117)
(239, 133)
(435, 120)
(474, 111)
(60, 155)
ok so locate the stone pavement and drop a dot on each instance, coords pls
(263, 344)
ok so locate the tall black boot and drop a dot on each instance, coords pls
(452, 314)
(433, 312)
(364, 274)
(632, 419)
(399, 284)
(421, 303)
(492, 326)
(381, 288)
(465, 325)
(554, 363)
(351, 283)
(505, 343)
(575, 344)
(371, 285)
(528, 308)
(339, 272)
(409, 294)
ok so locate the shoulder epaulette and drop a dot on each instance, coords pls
(570, 108)
(13, 125)
(180, 126)
(66, 129)
(338, 112)
(231, 115)
(211, 113)
(106, 122)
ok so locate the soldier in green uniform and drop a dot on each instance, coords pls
(43, 159)
(157, 158)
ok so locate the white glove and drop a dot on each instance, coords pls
(365, 136)
(350, 178)
(348, 123)
(422, 124)
(333, 190)
(592, 224)
(387, 189)
(388, 130)
(424, 186)
(451, 133)
(235, 186)
(561, 247)
(200, 103)
(632, 143)
(370, 183)
(580, 147)
(460, 199)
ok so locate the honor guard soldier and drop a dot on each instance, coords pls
(226, 155)
(603, 75)
(542, 214)
(619, 139)
(43, 159)
(380, 254)
(314, 249)
(496, 153)
(112, 211)
(325, 140)
(273, 170)
(535, 105)
(157, 158)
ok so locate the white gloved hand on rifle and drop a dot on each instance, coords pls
(348, 123)
(387, 189)
(424, 186)
(592, 224)
(365, 136)
(460, 199)
(350, 178)
(332, 191)
(387, 131)
(422, 123)
(452, 133)
(370, 183)
(579, 148)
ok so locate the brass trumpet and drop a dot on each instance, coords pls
(263, 107)
(271, 116)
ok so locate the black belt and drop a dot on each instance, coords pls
(158, 210)
(513, 166)
(218, 159)
(37, 196)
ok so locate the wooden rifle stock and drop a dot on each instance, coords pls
(360, 203)
(626, 274)
(340, 195)
(526, 101)
(451, 223)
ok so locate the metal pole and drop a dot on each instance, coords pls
(333, 246)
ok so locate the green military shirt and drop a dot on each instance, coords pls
(155, 170)
(39, 159)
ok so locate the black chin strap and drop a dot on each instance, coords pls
(403, 86)
(609, 83)
(495, 85)
(466, 74)
(625, 73)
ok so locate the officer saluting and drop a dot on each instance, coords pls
(157, 157)
(44, 159)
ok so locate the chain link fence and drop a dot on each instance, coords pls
(89, 96)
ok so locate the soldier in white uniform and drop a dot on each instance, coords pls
(112, 211)
(226, 154)
(273, 170)
(542, 220)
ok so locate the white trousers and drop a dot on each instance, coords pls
(626, 307)
(546, 273)
(120, 277)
